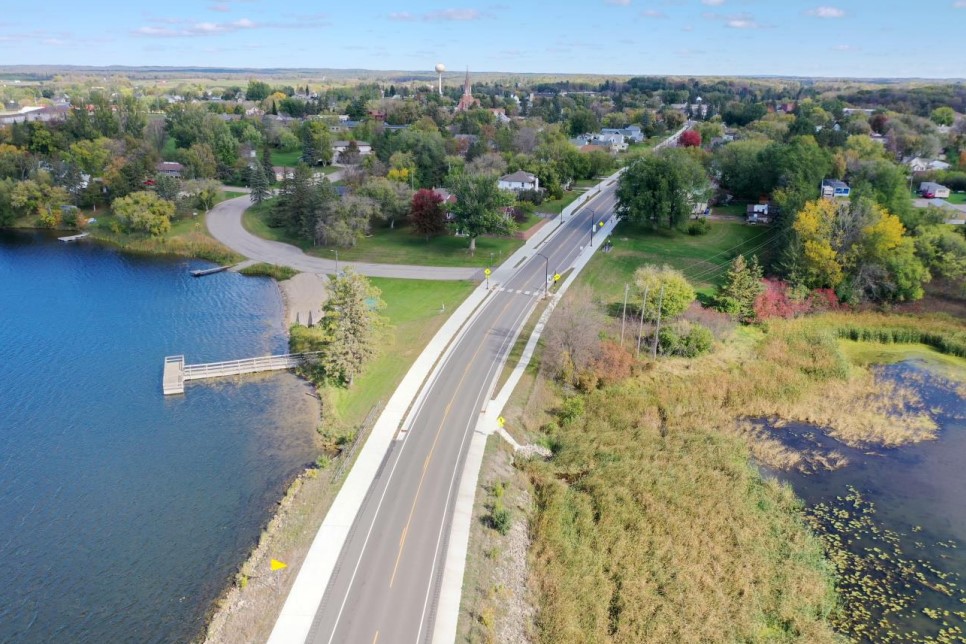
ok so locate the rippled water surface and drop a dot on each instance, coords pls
(123, 512)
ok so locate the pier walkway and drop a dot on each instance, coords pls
(176, 372)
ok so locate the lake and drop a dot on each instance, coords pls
(894, 521)
(123, 513)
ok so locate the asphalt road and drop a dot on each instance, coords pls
(225, 225)
(386, 585)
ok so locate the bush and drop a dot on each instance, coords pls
(698, 227)
(685, 339)
(535, 197)
(500, 519)
(571, 410)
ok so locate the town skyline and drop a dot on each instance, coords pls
(849, 38)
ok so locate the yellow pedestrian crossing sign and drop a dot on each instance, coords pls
(487, 272)
(556, 277)
(277, 565)
(501, 421)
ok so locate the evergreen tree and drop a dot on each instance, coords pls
(267, 167)
(350, 322)
(259, 185)
(742, 286)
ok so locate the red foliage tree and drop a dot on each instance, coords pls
(426, 214)
(690, 139)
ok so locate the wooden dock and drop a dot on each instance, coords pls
(176, 372)
(209, 271)
(73, 238)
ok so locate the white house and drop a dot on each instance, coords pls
(342, 146)
(170, 168)
(631, 132)
(518, 181)
(932, 190)
(918, 164)
(759, 213)
(832, 188)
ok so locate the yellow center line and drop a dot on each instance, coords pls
(429, 457)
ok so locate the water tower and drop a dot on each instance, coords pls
(440, 68)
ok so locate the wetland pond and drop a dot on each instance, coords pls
(893, 520)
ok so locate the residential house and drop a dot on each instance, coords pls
(170, 168)
(955, 215)
(918, 164)
(341, 146)
(519, 181)
(932, 190)
(759, 213)
(448, 199)
(500, 115)
(611, 141)
(632, 133)
(833, 188)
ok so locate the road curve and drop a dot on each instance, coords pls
(225, 224)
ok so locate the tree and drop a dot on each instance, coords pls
(205, 191)
(268, 168)
(144, 212)
(479, 207)
(660, 189)
(426, 214)
(943, 115)
(257, 90)
(40, 198)
(343, 222)
(583, 121)
(741, 287)
(351, 154)
(167, 187)
(815, 225)
(258, 184)
(350, 324)
(689, 139)
(200, 162)
(678, 292)
(392, 197)
(91, 157)
(316, 143)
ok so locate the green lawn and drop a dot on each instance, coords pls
(555, 206)
(286, 159)
(416, 309)
(395, 246)
(703, 258)
(957, 198)
(731, 210)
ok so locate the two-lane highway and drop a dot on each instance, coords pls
(386, 584)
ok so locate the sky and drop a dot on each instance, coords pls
(826, 38)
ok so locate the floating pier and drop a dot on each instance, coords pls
(176, 372)
(73, 238)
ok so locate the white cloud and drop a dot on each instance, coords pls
(653, 13)
(195, 29)
(443, 15)
(846, 48)
(959, 4)
(219, 7)
(826, 12)
(713, 3)
(742, 20)
(621, 3)
(741, 23)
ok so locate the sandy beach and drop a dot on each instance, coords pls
(303, 295)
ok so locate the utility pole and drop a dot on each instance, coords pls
(624, 313)
(546, 274)
(640, 326)
(657, 329)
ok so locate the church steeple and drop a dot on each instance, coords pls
(467, 101)
(466, 84)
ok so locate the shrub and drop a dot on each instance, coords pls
(571, 410)
(500, 519)
(685, 339)
(535, 197)
(720, 324)
(779, 300)
(698, 227)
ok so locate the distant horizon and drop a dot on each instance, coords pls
(448, 74)
(805, 38)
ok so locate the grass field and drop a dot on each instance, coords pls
(395, 246)
(286, 159)
(416, 309)
(957, 198)
(555, 206)
(704, 258)
(731, 210)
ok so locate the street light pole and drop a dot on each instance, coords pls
(593, 225)
(336, 262)
(546, 274)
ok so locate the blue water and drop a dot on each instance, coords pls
(123, 513)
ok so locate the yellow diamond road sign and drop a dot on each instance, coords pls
(556, 277)
(487, 272)
(501, 421)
